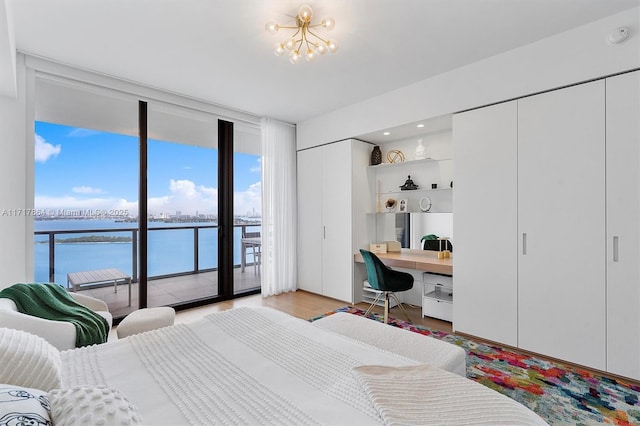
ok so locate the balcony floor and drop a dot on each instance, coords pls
(171, 291)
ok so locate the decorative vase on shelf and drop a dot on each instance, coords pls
(376, 156)
(421, 153)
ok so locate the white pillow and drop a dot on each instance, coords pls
(20, 405)
(91, 405)
(28, 360)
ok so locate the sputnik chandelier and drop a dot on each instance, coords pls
(304, 41)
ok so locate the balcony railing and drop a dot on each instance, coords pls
(156, 245)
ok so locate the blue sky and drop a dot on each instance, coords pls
(86, 169)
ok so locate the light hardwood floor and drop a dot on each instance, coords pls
(305, 305)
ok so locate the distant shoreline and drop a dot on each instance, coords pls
(90, 239)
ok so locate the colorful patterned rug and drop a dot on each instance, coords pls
(560, 394)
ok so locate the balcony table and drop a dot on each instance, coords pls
(76, 279)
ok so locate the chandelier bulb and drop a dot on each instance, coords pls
(310, 56)
(271, 27)
(322, 48)
(279, 49)
(305, 13)
(329, 23)
(294, 56)
(332, 45)
(290, 44)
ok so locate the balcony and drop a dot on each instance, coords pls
(182, 262)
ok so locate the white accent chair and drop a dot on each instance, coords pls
(60, 334)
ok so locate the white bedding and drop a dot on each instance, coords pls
(243, 366)
(423, 349)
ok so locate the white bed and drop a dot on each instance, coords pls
(261, 366)
(424, 349)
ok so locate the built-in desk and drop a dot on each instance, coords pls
(421, 260)
(437, 290)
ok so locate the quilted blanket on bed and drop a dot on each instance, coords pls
(238, 367)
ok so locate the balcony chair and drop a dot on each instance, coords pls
(60, 334)
(386, 282)
(256, 249)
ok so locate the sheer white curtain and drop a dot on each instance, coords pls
(279, 224)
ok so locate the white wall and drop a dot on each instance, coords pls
(577, 55)
(7, 51)
(13, 186)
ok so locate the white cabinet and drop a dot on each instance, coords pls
(437, 296)
(623, 225)
(561, 216)
(332, 200)
(310, 231)
(547, 222)
(485, 220)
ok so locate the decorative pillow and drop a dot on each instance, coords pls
(92, 405)
(23, 406)
(28, 360)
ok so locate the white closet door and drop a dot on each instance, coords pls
(310, 220)
(623, 230)
(561, 221)
(336, 211)
(485, 219)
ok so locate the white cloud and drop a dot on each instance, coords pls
(257, 168)
(44, 150)
(86, 190)
(82, 133)
(248, 201)
(188, 198)
(184, 196)
(68, 202)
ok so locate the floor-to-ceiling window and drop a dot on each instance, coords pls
(85, 185)
(247, 209)
(89, 156)
(85, 201)
(182, 205)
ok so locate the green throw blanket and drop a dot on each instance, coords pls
(52, 302)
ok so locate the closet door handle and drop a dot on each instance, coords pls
(524, 243)
(324, 232)
(616, 248)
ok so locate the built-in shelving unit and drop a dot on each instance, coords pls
(408, 163)
(415, 191)
(387, 179)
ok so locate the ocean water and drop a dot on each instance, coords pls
(170, 251)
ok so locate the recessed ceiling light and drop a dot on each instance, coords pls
(420, 125)
(386, 133)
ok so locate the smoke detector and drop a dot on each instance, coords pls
(618, 35)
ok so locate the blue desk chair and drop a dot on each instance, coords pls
(385, 281)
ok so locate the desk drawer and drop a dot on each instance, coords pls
(437, 308)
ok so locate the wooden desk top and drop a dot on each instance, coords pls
(421, 260)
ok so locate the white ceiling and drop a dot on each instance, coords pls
(218, 51)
